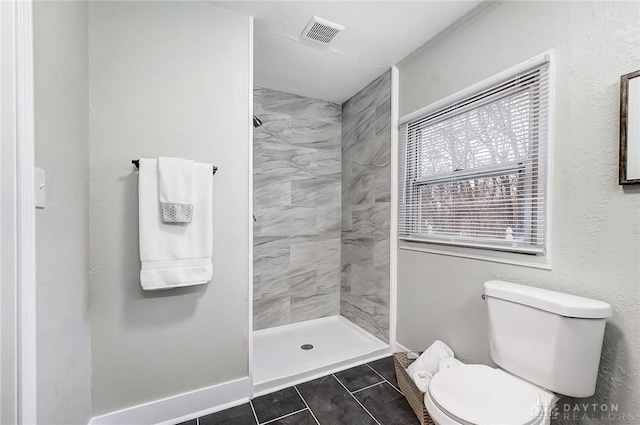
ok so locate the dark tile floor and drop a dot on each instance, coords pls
(363, 395)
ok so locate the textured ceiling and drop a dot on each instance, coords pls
(377, 35)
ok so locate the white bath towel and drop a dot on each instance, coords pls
(175, 189)
(429, 361)
(421, 378)
(449, 363)
(174, 254)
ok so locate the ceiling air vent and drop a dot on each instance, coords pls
(321, 31)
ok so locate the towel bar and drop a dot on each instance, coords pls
(136, 162)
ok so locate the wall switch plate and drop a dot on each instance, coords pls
(41, 193)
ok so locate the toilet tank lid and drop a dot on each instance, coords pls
(554, 302)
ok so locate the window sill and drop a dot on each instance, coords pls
(523, 260)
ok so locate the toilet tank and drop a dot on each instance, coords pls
(548, 338)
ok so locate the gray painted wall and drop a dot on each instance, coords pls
(595, 229)
(167, 78)
(366, 186)
(297, 207)
(62, 149)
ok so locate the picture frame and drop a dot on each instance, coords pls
(629, 172)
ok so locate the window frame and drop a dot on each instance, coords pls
(494, 251)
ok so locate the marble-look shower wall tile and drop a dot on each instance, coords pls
(363, 280)
(329, 164)
(313, 133)
(357, 249)
(306, 283)
(297, 198)
(345, 217)
(315, 192)
(371, 220)
(383, 117)
(273, 129)
(256, 287)
(381, 252)
(381, 321)
(365, 131)
(271, 311)
(321, 249)
(380, 299)
(328, 277)
(345, 278)
(328, 220)
(299, 106)
(300, 279)
(370, 97)
(382, 185)
(270, 251)
(307, 307)
(287, 280)
(383, 282)
(269, 190)
(366, 314)
(257, 159)
(303, 279)
(287, 220)
(354, 306)
(271, 287)
(289, 162)
(359, 129)
(360, 190)
(366, 197)
(257, 99)
(372, 156)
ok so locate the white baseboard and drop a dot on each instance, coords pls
(400, 348)
(181, 407)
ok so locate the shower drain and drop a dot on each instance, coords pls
(306, 346)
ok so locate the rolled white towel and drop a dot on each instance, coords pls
(421, 378)
(429, 361)
(449, 363)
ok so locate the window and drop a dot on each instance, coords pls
(474, 172)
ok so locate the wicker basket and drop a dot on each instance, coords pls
(414, 396)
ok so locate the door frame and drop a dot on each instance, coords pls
(17, 216)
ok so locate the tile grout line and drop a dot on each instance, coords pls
(385, 379)
(305, 403)
(367, 387)
(284, 416)
(357, 401)
(254, 412)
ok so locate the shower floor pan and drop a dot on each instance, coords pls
(279, 360)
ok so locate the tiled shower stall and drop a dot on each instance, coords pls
(322, 206)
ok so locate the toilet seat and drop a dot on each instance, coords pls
(479, 395)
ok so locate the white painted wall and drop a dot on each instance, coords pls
(167, 78)
(62, 149)
(595, 227)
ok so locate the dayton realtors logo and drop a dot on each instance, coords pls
(594, 411)
(581, 411)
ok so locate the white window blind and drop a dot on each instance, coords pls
(474, 172)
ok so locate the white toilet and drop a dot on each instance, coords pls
(545, 342)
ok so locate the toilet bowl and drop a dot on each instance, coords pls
(481, 395)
